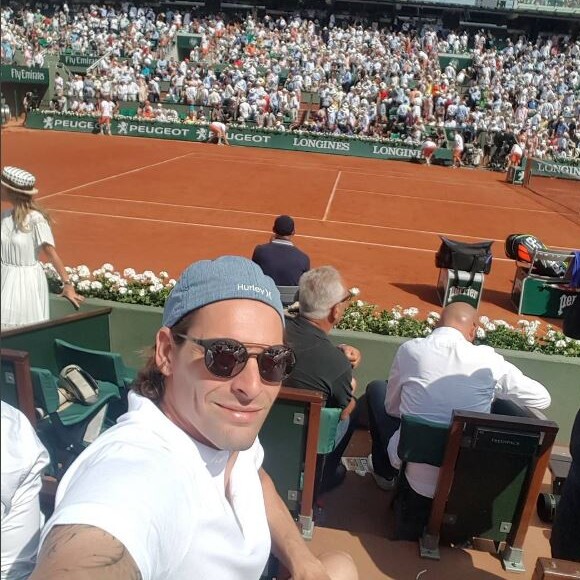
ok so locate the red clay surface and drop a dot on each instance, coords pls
(560, 194)
(159, 205)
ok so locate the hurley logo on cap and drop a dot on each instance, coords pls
(253, 288)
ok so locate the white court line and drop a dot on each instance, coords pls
(417, 178)
(445, 200)
(309, 219)
(331, 196)
(115, 176)
(256, 213)
(233, 228)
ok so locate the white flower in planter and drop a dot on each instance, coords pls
(96, 285)
(354, 291)
(560, 344)
(122, 290)
(480, 333)
(129, 272)
(83, 271)
(108, 267)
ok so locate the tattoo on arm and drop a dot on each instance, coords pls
(84, 552)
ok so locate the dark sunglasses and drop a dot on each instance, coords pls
(348, 297)
(226, 357)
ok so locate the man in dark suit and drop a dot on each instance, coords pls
(280, 258)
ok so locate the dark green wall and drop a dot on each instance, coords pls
(133, 329)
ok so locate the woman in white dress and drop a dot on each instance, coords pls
(25, 234)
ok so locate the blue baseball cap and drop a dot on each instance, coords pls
(226, 278)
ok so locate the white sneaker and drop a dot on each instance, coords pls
(386, 484)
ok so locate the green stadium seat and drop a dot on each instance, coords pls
(420, 441)
(103, 366)
(66, 429)
(489, 481)
(329, 418)
(15, 385)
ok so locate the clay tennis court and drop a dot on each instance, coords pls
(159, 205)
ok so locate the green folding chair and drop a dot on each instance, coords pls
(420, 441)
(329, 419)
(68, 428)
(102, 365)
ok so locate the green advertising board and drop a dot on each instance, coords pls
(188, 41)
(78, 63)
(185, 43)
(532, 296)
(457, 61)
(552, 169)
(23, 75)
(236, 136)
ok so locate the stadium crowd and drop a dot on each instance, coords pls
(369, 81)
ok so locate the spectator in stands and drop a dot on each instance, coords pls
(429, 378)
(363, 76)
(564, 538)
(23, 458)
(25, 233)
(176, 487)
(280, 258)
(321, 366)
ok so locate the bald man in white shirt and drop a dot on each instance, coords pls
(429, 378)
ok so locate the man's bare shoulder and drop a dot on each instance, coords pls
(85, 553)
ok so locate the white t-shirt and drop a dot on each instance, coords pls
(23, 457)
(458, 142)
(430, 377)
(161, 494)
